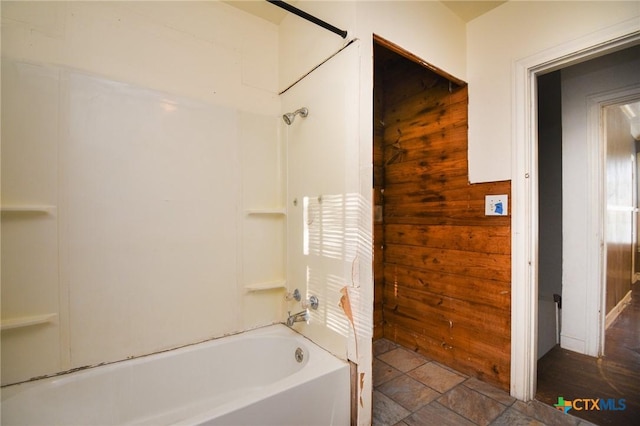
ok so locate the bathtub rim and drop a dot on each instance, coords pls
(11, 390)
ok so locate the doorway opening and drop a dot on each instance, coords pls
(441, 266)
(586, 160)
(525, 192)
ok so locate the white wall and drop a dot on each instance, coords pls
(428, 30)
(303, 44)
(495, 41)
(322, 195)
(151, 128)
(30, 266)
(550, 208)
(202, 50)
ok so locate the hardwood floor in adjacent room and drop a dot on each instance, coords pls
(562, 373)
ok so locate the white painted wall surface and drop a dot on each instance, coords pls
(202, 50)
(209, 55)
(151, 127)
(149, 227)
(495, 41)
(303, 45)
(262, 156)
(426, 29)
(30, 267)
(549, 153)
(322, 195)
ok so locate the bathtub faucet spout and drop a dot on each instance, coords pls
(299, 317)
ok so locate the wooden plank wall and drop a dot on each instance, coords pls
(378, 186)
(446, 267)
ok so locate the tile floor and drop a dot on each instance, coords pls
(409, 389)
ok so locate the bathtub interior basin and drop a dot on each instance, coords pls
(266, 376)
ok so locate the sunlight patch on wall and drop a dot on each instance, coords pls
(331, 225)
(333, 244)
(327, 288)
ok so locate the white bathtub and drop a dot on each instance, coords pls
(252, 378)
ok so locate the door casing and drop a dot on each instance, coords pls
(525, 201)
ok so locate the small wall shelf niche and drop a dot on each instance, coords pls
(8, 324)
(274, 211)
(28, 209)
(267, 285)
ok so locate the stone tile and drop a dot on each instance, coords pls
(451, 369)
(472, 405)
(381, 346)
(403, 359)
(383, 372)
(436, 414)
(408, 392)
(513, 417)
(385, 411)
(436, 377)
(490, 391)
(545, 413)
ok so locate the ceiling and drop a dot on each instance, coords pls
(261, 9)
(465, 10)
(469, 10)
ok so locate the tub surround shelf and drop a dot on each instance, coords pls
(29, 209)
(267, 285)
(11, 323)
(276, 211)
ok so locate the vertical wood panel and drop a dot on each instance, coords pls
(378, 185)
(620, 185)
(446, 267)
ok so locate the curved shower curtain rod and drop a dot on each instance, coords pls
(301, 13)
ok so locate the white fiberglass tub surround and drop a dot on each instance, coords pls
(252, 378)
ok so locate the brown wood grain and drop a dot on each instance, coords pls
(449, 189)
(491, 367)
(442, 269)
(466, 238)
(467, 263)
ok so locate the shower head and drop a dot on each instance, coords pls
(290, 116)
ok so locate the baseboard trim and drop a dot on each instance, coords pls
(613, 313)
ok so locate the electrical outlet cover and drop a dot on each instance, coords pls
(496, 205)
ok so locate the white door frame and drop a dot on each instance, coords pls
(597, 149)
(524, 148)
